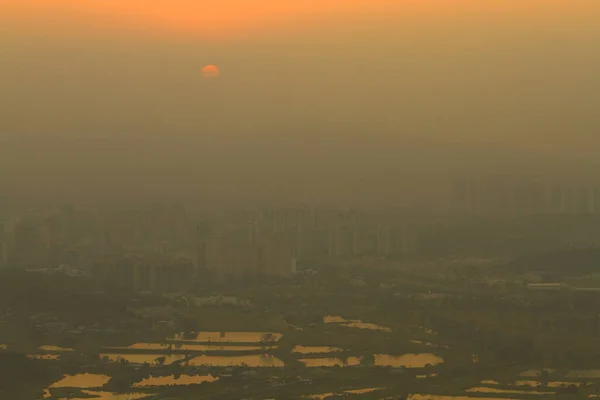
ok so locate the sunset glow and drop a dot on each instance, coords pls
(210, 71)
(238, 17)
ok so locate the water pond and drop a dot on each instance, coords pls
(193, 347)
(354, 323)
(82, 381)
(408, 360)
(182, 380)
(330, 362)
(230, 337)
(237, 361)
(314, 349)
(140, 359)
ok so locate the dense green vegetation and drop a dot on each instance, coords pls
(22, 378)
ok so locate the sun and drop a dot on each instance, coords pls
(210, 71)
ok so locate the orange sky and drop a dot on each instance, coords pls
(338, 87)
(221, 18)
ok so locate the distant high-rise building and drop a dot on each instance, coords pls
(275, 256)
(383, 240)
(3, 246)
(233, 257)
(149, 272)
(504, 195)
(229, 257)
(29, 249)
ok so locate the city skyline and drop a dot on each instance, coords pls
(285, 199)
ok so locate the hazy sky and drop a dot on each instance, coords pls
(315, 97)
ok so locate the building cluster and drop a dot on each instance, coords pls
(272, 237)
(162, 248)
(144, 272)
(77, 236)
(229, 257)
(518, 196)
(154, 249)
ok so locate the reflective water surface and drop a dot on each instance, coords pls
(330, 362)
(94, 395)
(408, 360)
(314, 349)
(323, 396)
(381, 360)
(418, 396)
(83, 381)
(354, 323)
(53, 348)
(507, 391)
(152, 359)
(239, 361)
(235, 337)
(363, 391)
(425, 376)
(557, 384)
(182, 380)
(192, 347)
(43, 356)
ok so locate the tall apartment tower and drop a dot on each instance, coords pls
(300, 241)
(3, 246)
(253, 232)
(202, 234)
(383, 240)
